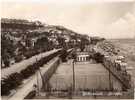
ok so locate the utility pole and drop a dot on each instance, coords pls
(37, 81)
(73, 76)
(37, 85)
(110, 83)
(85, 80)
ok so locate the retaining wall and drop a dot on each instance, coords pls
(46, 73)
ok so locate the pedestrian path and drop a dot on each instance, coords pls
(27, 87)
(23, 64)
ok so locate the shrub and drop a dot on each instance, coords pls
(28, 71)
(11, 82)
(98, 57)
(64, 55)
(14, 80)
(18, 58)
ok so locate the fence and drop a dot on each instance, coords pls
(123, 78)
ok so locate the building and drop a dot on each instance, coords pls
(82, 57)
(89, 48)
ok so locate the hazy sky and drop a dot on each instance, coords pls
(107, 19)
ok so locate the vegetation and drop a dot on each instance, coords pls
(95, 40)
(14, 80)
(64, 55)
(31, 95)
(10, 82)
(84, 42)
(98, 57)
(23, 39)
(61, 41)
(7, 50)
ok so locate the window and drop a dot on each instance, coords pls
(81, 59)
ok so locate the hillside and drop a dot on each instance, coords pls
(22, 39)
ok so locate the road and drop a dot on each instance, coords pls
(17, 67)
(27, 87)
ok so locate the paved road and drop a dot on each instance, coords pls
(27, 87)
(23, 64)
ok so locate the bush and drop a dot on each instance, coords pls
(28, 71)
(14, 80)
(64, 55)
(10, 82)
(98, 57)
(18, 58)
(5, 89)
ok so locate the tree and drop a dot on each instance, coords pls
(7, 49)
(64, 55)
(84, 42)
(61, 41)
(42, 43)
(98, 57)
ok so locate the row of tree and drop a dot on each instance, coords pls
(14, 80)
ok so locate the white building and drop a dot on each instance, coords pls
(82, 56)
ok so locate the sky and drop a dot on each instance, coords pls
(105, 18)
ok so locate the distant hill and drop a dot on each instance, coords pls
(36, 26)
